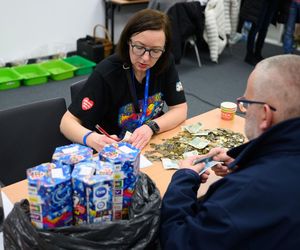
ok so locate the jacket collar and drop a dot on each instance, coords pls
(284, 136)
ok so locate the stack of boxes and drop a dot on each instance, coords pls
(92, 194)
(125, 160)
(77, 189)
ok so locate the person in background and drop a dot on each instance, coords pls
(293, 17)
(127, 91)
(255, 206)
(260, 14)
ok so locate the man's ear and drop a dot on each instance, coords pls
(266, 118)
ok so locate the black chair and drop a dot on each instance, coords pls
(165, 6)
(76, 87)
(29, 134)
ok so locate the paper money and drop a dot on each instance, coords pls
(190, 153)
(169, 164)
(202, 133)
(208, 165)
(127, 136)
(199, 143)
(193, 128)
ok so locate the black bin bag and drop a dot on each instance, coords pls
(139, 232)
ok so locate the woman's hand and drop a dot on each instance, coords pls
(141, 136)
(189, 163)
(98, 141)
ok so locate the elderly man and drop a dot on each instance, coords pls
(256, 205)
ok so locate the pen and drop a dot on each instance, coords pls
(102, 131)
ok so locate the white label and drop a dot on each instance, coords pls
(85, 170)
(57, 173)
(126, 149)
(70, 150)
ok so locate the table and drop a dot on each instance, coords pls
(158, 174)
(110, 6)
(211, 119)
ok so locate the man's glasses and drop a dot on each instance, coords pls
(244, 104)
(139, 50)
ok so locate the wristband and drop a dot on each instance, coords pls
(85, 137)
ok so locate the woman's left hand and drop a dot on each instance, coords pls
(141, 136)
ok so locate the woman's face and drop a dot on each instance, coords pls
(153, 40)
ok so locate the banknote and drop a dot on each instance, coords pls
(190, 153)
(193, 128)
(202, 133)
(169, 164)
(199, 143)
(127, 136)
(208, 165)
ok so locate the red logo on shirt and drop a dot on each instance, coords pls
(87, 104)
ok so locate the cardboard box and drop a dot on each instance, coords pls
(50, 195)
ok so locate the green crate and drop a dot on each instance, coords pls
(58, 69)
(9, 78)
(83, 65)
(33, 74)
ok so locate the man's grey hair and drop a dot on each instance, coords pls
(277, 82)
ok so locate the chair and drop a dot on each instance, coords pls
(192, 42)
(165, 5)
(76, 87)
(162, 5)
(29, 134)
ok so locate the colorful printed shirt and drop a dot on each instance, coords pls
(106, 100)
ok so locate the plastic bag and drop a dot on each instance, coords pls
(139, 232)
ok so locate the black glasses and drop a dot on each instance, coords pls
(139, 50)
(244, 104)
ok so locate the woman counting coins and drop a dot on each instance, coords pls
(127, 90)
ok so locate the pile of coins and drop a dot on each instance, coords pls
(175, 147)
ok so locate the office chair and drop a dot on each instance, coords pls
(165, 5)
(29, 134)
(192, 41)
(76, 87)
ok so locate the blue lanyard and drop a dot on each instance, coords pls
(145, 101)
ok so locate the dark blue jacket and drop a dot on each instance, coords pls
(255, 207)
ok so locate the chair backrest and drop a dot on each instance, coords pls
(163, 5)
(76, 87)
(153, 4)
(28, 136)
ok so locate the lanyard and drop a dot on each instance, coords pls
(146, 93)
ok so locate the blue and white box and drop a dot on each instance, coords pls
(72, 154)
(50, 195)
(92, 194)
(125, 159)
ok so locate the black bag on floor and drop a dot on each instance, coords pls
(93, 47)
(139, 232)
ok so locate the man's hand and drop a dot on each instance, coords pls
(189, 163)
(220, 154)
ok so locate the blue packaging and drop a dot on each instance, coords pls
(92, 194)
(50, 195)
(118, 186)
(72, 154)
(125, 159)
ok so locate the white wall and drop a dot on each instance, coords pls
(35, 28)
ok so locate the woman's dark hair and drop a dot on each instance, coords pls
(146, 19)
